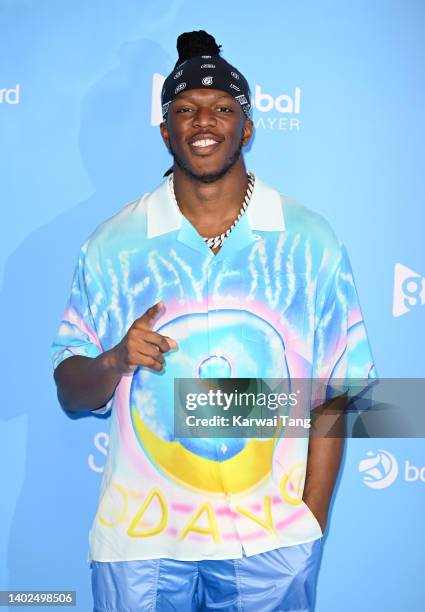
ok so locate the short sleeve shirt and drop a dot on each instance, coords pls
(277, 301)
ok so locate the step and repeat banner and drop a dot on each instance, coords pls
(338, 93)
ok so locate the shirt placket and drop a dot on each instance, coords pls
(213, 306)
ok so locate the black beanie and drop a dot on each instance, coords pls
(200, 66)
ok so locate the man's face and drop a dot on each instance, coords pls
(205, 131)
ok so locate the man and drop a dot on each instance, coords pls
(212, 275)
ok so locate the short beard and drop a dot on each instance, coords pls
(207, 178)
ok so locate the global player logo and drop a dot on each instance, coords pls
(409, 290)
(379, 470)
(284, 103)
(208, 80)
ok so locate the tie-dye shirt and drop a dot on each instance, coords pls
(277, 301)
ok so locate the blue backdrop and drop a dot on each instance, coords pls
(339, 95)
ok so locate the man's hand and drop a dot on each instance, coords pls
(141, 346)
(320, 512)
(87, 383)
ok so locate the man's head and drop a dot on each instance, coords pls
(206, 109)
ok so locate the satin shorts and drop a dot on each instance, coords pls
(282, 580)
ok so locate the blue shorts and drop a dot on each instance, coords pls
(283, 580)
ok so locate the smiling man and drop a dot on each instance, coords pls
(212, 275)
(205, 104)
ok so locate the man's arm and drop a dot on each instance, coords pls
(87, 383)
(326, 445)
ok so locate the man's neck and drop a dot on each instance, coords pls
(211, 207)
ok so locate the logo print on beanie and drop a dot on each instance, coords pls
(208, 66)
(241, 99)
(235, 87)
(179, 87)
(207, 80)
(205, 57)
(178, 74)
(165, 108)
(235, 75)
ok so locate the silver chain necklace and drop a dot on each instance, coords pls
(217, 241)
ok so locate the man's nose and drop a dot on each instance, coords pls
(204, 117)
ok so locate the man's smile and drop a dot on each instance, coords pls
(203, 144)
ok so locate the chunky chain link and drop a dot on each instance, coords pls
(217, 241)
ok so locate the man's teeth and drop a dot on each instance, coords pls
(203, 143)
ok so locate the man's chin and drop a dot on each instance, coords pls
(208, 176)
(204, 176)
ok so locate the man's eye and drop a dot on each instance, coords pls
(224, 109)
(183, 109)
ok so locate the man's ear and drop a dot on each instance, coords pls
(248, 130)
(163, 128)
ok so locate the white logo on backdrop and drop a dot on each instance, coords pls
(379, 470)
(280, 113)
(10, 96)
(101, 443)
(409, 290)
(288, 108)
(284, 103)
(413, 473)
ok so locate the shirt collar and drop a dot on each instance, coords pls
(264, 212)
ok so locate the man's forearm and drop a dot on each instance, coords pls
(324, 457)
(86, 383)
